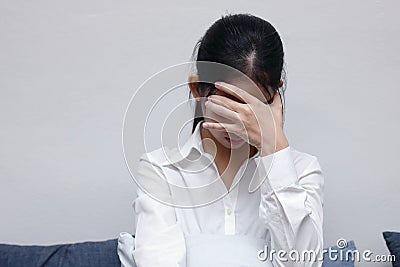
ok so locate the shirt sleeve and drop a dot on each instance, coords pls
(159, 240)
(292, 208)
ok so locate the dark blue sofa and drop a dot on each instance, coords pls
(86, 254)
(103, 253)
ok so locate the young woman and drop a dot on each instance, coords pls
(238, 132)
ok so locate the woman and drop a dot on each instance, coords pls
(238, 130)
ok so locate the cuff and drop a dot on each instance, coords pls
(126, 245)
(278, 168)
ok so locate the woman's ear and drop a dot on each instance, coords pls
(193, 84)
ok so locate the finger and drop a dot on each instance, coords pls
(226, 102)
(219, 126)
(225, 127)
(236, 92)
(213, 117)
(221, 110)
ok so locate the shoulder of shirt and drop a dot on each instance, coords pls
(158, 156)
(302, 156)
(303, 160)
(166, 156)
(163, 155)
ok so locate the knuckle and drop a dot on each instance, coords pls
(247, 110)
(245, 119)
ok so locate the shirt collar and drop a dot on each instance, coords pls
(193, 143)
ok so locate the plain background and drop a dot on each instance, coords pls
(69, 68)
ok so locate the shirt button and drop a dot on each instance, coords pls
(229, 211)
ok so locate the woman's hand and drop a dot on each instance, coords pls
(252, 120)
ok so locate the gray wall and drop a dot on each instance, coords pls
(68, 70)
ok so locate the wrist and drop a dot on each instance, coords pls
(281, 142)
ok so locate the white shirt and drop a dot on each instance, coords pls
(286, 210)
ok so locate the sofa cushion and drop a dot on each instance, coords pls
(336, 260)
(392, 240)
(102, 253)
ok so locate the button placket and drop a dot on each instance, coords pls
(229, 208)
(228, 211)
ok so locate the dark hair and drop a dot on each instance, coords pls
(246, 43)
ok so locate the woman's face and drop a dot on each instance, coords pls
(226, 139)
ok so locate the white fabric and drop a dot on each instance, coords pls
(286, 210)
(125, 249)
(219, 250)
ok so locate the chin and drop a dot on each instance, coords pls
(224, 139)
(232, 143)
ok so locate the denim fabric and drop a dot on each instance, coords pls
(86, 254)
(340, 262)
(392, 240)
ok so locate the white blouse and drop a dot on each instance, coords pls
(285, 210)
